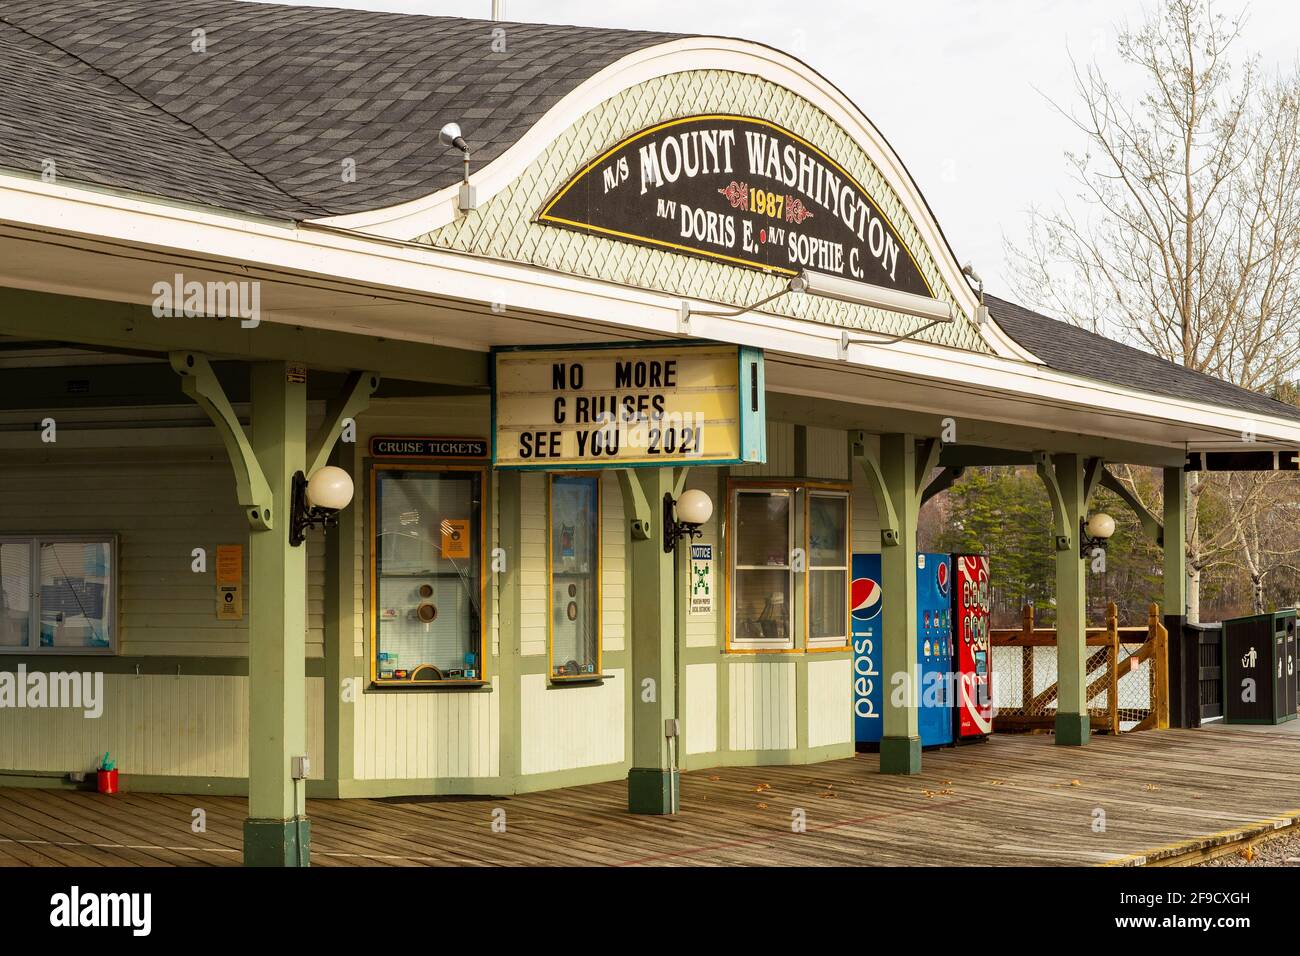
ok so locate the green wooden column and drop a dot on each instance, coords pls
(510, 534)
(1071, 627)
(1175, 548)
(341, 664)
(277, 832)
(900, 745)
(652, 786)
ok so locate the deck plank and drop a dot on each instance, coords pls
(1015, 800)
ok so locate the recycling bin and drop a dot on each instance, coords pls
(1259, 668)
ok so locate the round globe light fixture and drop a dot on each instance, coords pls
(1094, 533)
(683, 517)
(694, 507)
(1101, 525)
(330, 487)
(317, 503)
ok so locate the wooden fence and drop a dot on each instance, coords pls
(1127, 674)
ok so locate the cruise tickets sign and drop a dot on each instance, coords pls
(738, 190)
(629, 404)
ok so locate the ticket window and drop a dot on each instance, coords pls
(573, 513)
(427, 554)
(58, 594)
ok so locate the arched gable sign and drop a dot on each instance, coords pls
(739, 190)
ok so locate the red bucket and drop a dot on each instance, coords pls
(107, 781)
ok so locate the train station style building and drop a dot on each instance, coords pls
(603, 350)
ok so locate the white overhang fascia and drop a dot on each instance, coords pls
(360, 264)
(410, 220)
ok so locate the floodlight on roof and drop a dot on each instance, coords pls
(451, 137)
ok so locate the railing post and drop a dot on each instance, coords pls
(1027, 659)
(1112, 626)
(1160, 665)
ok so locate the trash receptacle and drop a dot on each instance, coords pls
(1259, 666)
(1195, 674)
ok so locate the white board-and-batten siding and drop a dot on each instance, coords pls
(151, 724)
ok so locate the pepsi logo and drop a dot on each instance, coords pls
(941, 577)
(865, 596)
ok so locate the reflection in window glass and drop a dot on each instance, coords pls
(828, 570)
(762, 605)
(75, 594)
(762, 600)
(575, 575)
(762, 529)
(15, 593)
(428, 571)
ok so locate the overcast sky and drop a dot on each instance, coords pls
(960, 88)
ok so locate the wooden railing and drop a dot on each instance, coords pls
(1114, 695)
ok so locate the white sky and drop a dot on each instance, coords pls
(959, 87)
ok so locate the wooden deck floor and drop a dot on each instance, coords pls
(1014, 800)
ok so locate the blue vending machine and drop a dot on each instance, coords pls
(934, 648)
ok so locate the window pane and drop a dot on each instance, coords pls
(76, 584)
(827, 613)
(762, 605)
(575, 571)
(827, 517)
(15, 593)
(762, 529)
(427, 574)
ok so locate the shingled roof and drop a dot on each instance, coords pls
(263, 121)
(1068, 348)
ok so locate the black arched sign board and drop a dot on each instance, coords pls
(738, 190)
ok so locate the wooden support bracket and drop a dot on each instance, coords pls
(351, 402)
(679, 481)
(942, 482)
(199, 382)
(927, 460)
(635, 502)
(1093, 469)
(1150, 524)
(876, 482)
(1047, 473)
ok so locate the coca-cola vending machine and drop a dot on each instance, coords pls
(973, 660)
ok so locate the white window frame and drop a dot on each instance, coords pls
(736, 642)
(34, 541)
(838, 641)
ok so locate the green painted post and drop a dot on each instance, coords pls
(1071, 626)
(509, 620)
(900, 745)
(652, 785)
(277, 832)
(340, 661)
(1175, 545)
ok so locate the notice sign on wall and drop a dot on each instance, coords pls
(230, 582)
(595, 407)
(739, 190)
(700, 603)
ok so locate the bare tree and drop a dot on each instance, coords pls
(1187, 238)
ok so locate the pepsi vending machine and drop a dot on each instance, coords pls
(864, 616)
(934, 648)
(973, 711)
